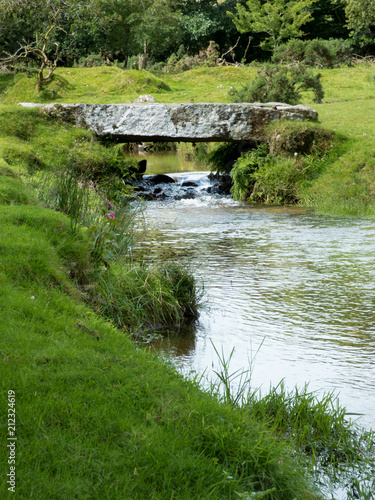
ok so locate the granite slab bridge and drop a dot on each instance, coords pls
(190, 122)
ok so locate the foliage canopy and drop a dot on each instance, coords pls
(277, 19)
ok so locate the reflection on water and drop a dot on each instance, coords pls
(300, 284)
(166, 162)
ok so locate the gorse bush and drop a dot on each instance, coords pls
(280, 84)
(181, 61)
(317, 53)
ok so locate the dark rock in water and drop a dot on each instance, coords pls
(189, 184)
(190, 195)
(158, 190)
(142, 166)
(139, 170)
(160, 179)
(224, 184)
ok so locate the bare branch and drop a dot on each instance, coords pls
(231, 49)
(39, 51)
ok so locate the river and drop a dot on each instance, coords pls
(289, 290)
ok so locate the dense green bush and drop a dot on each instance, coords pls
(243, 172)
(280, 84)
(282, 180)
(318, 53)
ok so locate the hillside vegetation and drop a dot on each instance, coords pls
(345, 181)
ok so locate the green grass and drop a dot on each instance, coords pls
(98, 417)
(347, 186)
(105, 84)
(114, 85)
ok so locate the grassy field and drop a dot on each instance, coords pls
(96, 415)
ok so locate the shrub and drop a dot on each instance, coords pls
(279, 171)
(278, 180)
(90, 61)
(181, 61)
(280, 84)
(319, 53)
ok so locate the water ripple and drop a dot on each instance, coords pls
(301, 283)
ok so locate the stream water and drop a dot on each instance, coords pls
(291, 291)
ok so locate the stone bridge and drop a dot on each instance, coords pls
(156, 122)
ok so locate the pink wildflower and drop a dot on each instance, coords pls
(109, 204)
(112, 215)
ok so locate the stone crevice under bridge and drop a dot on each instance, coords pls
(200, 122)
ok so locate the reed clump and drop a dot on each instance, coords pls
(334, 448)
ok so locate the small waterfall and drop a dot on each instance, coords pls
(182, 186)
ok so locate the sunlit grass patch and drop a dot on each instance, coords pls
(104, 84)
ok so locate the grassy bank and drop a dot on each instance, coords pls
(97, 416)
